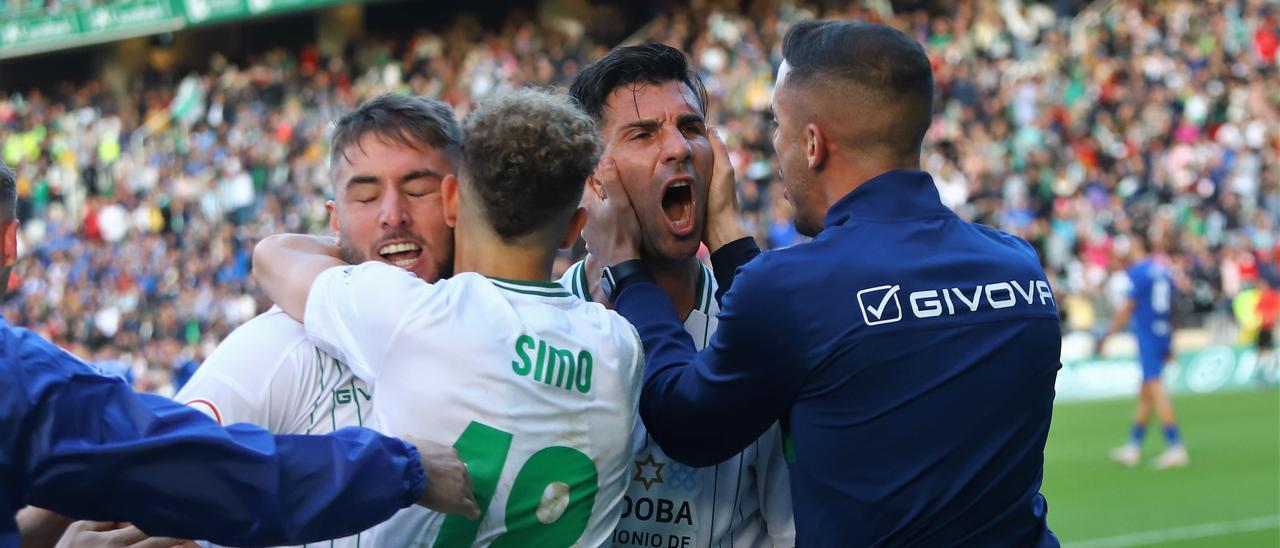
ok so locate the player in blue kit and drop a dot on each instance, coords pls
(1150, 306)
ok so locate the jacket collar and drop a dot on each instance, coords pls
(893, 195)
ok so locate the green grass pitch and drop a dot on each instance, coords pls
(1228, 496)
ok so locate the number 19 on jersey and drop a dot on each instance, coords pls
(550, 501)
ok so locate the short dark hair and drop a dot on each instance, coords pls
(398, 118)
(628, 65)
(8, 193)
(877, 59)
(527, 154)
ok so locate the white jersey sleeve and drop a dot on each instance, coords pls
(256, 375)
(354, 313)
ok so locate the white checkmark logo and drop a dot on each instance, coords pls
(884, 302)
(881, 309)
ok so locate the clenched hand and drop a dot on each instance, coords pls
(448, 483)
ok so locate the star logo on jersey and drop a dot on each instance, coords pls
(646, 479)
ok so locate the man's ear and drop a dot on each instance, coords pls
(9, 249)
(576, 222)
(336, 228)
(815, 146)
(449, 191)
(594, 185)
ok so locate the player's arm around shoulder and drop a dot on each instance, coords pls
(256, 375)
(287, 265)
(351, 313)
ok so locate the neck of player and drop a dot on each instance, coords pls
(484, 253)
(678, 279)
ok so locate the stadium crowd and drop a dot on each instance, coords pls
(1069, 126)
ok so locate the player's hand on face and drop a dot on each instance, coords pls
(724, 216)
(448, 483)
(612, 231)
(104, 534)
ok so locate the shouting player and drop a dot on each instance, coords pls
(1149, 305)
(536, 389)
(387, 160)
(651, 111)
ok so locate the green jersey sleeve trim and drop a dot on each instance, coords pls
(575, 280)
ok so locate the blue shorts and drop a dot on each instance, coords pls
(1152, 358)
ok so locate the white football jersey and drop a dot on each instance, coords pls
(742, 502)
(267, 373)
(535, 388)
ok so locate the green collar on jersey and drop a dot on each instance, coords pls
(578, 285)
(541, 289)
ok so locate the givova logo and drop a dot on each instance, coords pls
(876, 304)
(882, 304)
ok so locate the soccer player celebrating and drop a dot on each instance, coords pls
(651, 111)
(1149, 305)
(911, 354)
(536, 389)
(78, 442)
(387, 158)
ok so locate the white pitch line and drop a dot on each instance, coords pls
(1220, 528)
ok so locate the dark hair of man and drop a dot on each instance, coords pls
(401, 119)
(633, 66)
(527, 154)
(882, 64)
(8, 194)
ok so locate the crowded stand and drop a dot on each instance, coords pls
(1072, 125)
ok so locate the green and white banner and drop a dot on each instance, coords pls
(1212, 369)
(140, 14)
(39, 29)
(38, 32)
(214, 11)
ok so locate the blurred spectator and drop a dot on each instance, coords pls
(1068, 126)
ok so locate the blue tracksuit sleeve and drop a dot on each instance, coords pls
(94, 449)
(704, 407)
(726, 261)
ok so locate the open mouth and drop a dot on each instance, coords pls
(401, 254)
(677, 204)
